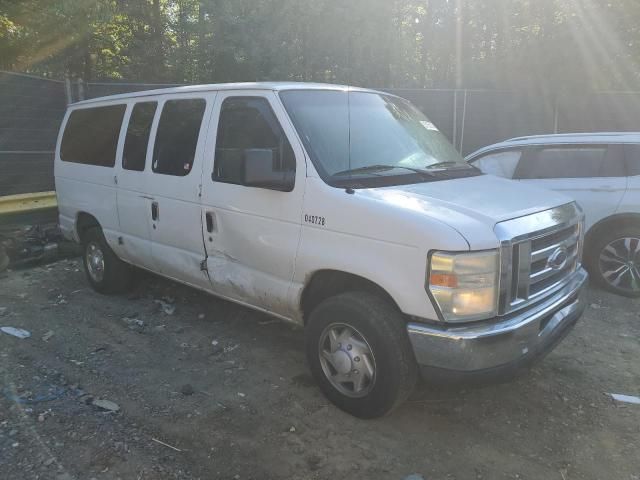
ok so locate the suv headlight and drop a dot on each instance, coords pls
(465, 285)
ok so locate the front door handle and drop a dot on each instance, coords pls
(210, 223)
(154, 211)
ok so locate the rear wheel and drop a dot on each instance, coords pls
(359, 353)
(615, 261)
(105, 271)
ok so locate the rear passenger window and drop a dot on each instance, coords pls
(571, 162)
(91, 136)
(249, 124)
(138, 130)
(177, 136)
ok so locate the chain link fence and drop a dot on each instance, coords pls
(31, 109)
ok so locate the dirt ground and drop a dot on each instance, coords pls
(229, 392)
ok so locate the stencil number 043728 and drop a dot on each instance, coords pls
(314, 219)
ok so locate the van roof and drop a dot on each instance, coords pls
(213, 87)
(563, 139)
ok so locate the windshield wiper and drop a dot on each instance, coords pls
(378, 168)
(446, 164)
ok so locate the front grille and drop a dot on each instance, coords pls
(536, 276)
(537, 263)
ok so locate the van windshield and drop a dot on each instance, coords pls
(359, 135)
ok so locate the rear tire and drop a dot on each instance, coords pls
(613, 259)
(105, 271)
(360, 355)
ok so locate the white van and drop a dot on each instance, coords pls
(337, 208)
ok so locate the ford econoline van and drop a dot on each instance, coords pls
(341, 209)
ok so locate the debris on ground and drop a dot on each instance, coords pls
(24, 246)
(47, 336)
(106, 405)
(230, 348)
(134, 323)
(3, 311)
(414, 476)
(625, 398)
(597, 306)
(52, 392)
(166, 444)
(167, 306)
(16, 332)
(187, 389)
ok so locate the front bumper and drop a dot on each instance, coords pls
(501, 346)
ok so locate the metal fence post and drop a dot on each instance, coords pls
(455, 117)
(67, 88)
(80, 84)
(464, 119)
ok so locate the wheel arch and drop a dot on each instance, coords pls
(323, 284)
(85, 221)
(616, 221)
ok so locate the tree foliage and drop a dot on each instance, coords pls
(507, 44)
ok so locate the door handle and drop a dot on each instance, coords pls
(154, 211)
(210, 222)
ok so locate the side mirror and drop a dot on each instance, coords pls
(259, 171)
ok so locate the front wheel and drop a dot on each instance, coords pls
(615, 261)
(359, 353)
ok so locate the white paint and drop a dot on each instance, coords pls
(261, 252)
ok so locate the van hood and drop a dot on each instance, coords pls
(471, 205)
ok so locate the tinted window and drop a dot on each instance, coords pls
(91, 135)
(135, 144)
(501, 164)
(177, 136)
(632, 158)
(570, 162)
(249, 124)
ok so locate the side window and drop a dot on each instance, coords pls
(571, 162)
(501, 164)
(177, 136)
(248, 126)
(632, 159)
(91, 136)
(135, 144)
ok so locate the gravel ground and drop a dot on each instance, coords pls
(228, 393)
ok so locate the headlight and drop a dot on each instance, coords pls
(465, 285)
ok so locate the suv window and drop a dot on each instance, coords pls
(571, 162)
(502, 164)
(91, 135)
(177, 136)
(138, 130)
(632, 159)
(248, 123)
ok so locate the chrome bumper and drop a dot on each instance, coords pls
(508, 343)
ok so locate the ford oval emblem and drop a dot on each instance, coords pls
(558, 259)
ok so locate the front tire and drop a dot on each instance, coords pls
(360, 355)
(105, 271)
(614, 261)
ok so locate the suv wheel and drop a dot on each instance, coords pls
(105, 271)
(359, 353)
(615, 261)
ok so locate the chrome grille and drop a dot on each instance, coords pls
(538, 262)
(540, 276)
